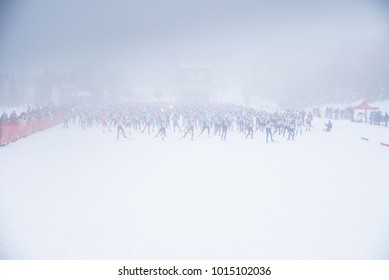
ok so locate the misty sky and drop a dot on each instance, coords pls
(270, 44)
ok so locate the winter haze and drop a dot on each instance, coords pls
(206, 130)
(296, 52)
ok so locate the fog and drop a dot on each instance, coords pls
(123, 168)
(295, 52)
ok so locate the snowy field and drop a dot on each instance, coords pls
(72, 194)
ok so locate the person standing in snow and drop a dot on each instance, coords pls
(299, 125)
(66, 121)
(308, 122)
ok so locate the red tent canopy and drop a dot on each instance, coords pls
(364, 106)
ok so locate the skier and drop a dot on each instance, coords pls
(147, 125)
(206, 126)
(308, 122)
(128, 125)
(162, 129)
(250, 129)
(120, 125)
(104, 123)
(291, 129)
(190, 128)
(224, 127)
(268, 132)
(175, 123)
(83, 122)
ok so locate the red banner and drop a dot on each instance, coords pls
(23, 128)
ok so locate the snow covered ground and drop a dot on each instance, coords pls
(72, 194)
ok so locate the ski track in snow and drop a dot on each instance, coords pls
(72, 194)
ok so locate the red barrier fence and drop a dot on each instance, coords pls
(13, 132)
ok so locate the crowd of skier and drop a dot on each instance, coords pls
(159, 121)
(187, 122)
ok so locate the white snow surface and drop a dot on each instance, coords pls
(72, 194)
